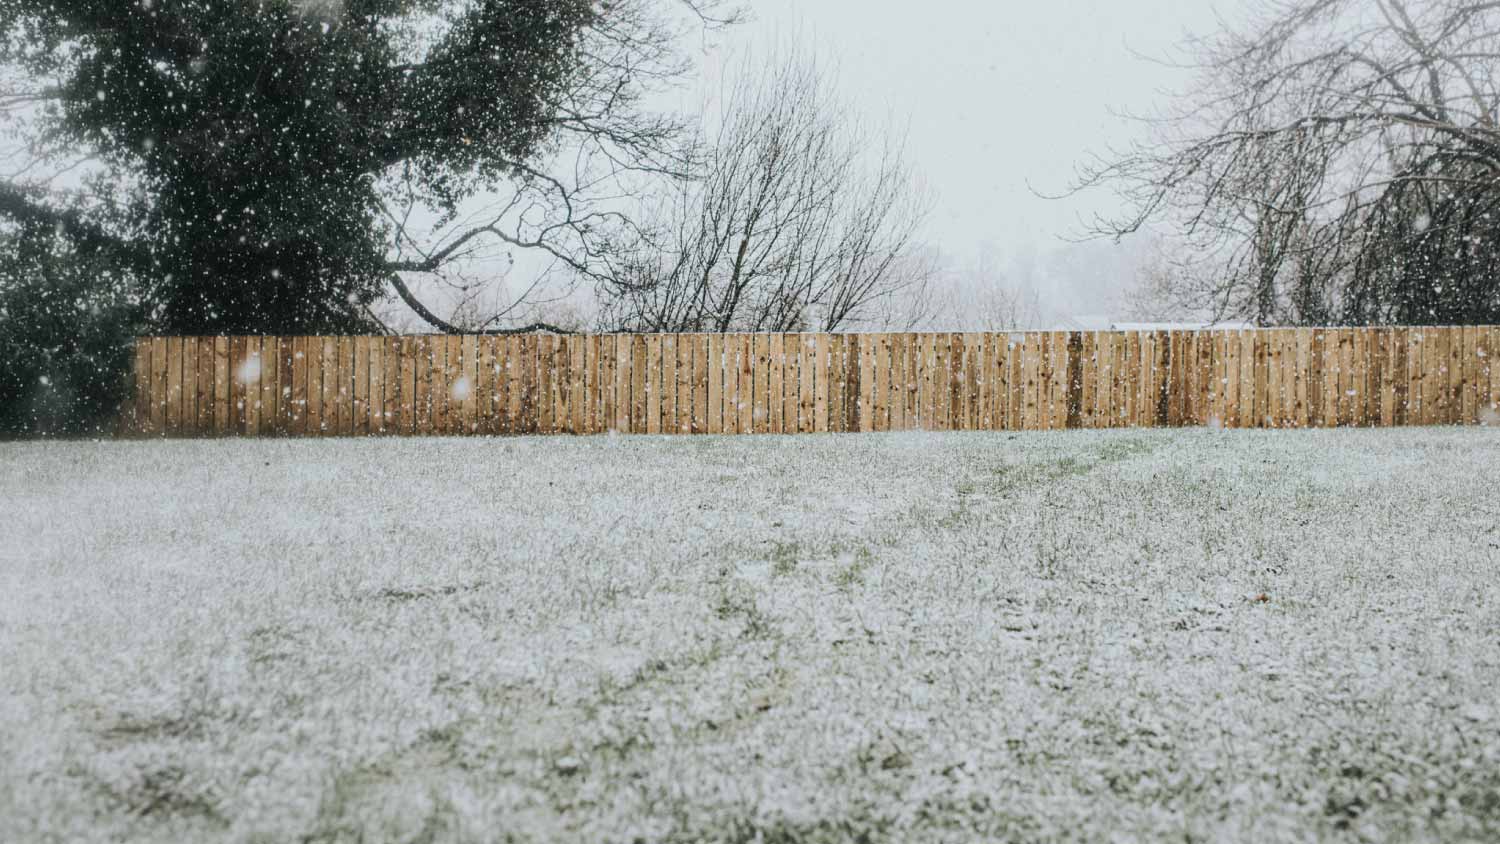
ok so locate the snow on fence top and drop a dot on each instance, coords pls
(806, 383)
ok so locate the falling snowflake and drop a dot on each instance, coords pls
(249, 370)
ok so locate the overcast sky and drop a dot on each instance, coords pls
(998, 94)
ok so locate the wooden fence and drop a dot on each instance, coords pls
(805, 383)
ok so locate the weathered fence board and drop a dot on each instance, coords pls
(813, 383)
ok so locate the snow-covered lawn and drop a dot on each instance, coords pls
(1131, 635)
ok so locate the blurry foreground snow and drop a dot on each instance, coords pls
(1257, 636)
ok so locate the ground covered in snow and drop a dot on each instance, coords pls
(981, 637)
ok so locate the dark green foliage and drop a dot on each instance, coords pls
(66, 322)
(251, 135)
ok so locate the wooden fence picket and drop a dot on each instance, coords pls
(812, 383)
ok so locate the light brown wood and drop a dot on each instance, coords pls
(1312, 412)
(1248, 410)
(880, 388)
(668, 384)
(620, 365)
(205, 389)
(486, 389)
(238, 347)
(972, 347)
(507, 402)
(1453, 349)
(604, 388)
(190, 386)
(866, 351)
(551, 375)
(746, 384)
(285, 370)
(406, 390)
(172, 401)
(1492, 364)
(1335, 379)
(299, 387)
(637, 384)
(893, 414)
(1489, 377)
(1469, 366)
(203, 420)
(1291, 378)
(1089, 383)
(1384, 412)
(822, 366)
(385, 386)
(837, 374)
(1023, 390)
(1275, 412)
(1127, 373)
(804, 383)
(1182, 368)
(684, 419)
(851, 381)
(312, 390)
(577, 384)
(704, 371)
(1424, 362)
(141, 388)
(562, 384)
(552, 372)
(423, 365)
(714, 411)
(466, 386)
(1104, 369)
(729, 375)
(1260, 413)
(1347, 391)
(337, 378)
(585, 383)
(1140, 371)
(951, 347)
(921, 378)
(1432, 377)
(787, 368)
(1364, 370)
(775, 384)
(760, 379)
(1043, 387)
(1061, 375)
(254, 373)
(270, 387)
(361, 387)
(1231, 381)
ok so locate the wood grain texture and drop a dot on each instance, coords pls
(811, 383)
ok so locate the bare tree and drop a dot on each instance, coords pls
(799, 219)
(570, 215)
(1336, 160)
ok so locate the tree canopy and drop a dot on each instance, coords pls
(1338, 161)
(254, 162)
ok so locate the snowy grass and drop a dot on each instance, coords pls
(1085, 636)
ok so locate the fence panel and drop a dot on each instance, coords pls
(813, 383)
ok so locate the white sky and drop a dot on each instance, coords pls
(994, 95)
(999, 94)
